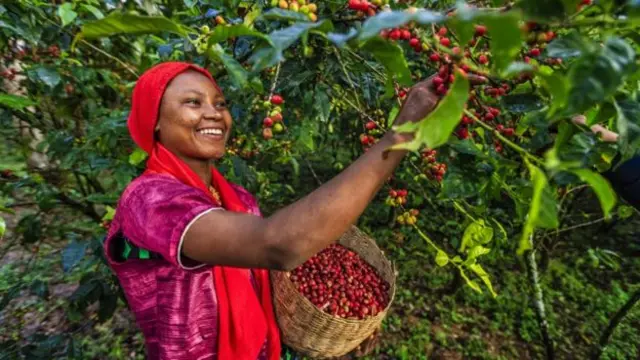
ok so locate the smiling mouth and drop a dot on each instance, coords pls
(211, 133)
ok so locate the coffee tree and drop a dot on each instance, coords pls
(313, 85)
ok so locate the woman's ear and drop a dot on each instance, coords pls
(157, 128)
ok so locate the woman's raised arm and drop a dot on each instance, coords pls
(296, 232)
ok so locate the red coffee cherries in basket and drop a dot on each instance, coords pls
(339, 282)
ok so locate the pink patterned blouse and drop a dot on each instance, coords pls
(173, 299)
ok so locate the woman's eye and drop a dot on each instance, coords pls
(221, 105)
(193, 102)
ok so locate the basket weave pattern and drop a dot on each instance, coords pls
(312, 332)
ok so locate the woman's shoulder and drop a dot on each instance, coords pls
(158, 187)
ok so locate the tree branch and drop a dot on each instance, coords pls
(538, 300)
(613, 323)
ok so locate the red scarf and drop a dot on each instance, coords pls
(245, 320)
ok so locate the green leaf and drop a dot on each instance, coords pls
(47, 75)
(548, 10)
(137, 156)
(393, 19)
(625, 211)
(558, 87)
(73, 253)
(442, 259)
(543, 211)
(284, 15)
(66, 13)
(3, 227)
(222, 33)
(476, 268)
(93, 10)
(434, 130)
(596, 76)
(280, 41)
(119, 23)
(110, 214)
(628, 126)
(601, 187)
(569, 46)
(238, 74)
(506, 37)
(15, 102)
(522, 103)
(391, 56)
(472, 284)
(477, 233)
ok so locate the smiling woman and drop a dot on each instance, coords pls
(195, 275)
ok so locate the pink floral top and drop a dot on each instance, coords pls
(173, 299)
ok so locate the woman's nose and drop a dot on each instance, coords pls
(210, 112)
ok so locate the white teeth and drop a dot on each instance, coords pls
(211, 131)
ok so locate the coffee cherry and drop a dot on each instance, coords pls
(406, 34)
(371, 125)
(395, 34)
(441, 89)
(267, 122)
(414, 42)
(480, 30)
(442, 31)
(535, 52)
(463, 133)
(434, 57)
(278, 128)
(482, 59)
(277, 117)
(437, 81)
(509, 132)
(267, 133)
(444, 41)
(277, 100)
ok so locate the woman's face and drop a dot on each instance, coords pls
(194, 122)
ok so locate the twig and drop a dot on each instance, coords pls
(613, 323)
(538, 300)
(315, 176)
(346, 74)
(275, 81)
(510, 143)
(589, 223)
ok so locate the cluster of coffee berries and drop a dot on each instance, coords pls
(273, 122)
(409, 217)
(397, 197)
(403, 33)
(302, 6)
(434, 169)
(506, 131)
(341, 283)
(242, 147)
(497, 91)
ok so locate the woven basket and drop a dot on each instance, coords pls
(314, 333)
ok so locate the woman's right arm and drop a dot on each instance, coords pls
(295, 233)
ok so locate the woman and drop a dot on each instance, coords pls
(195, 276)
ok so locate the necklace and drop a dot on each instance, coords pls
(215, 194)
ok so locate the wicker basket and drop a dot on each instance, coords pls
(312, 332)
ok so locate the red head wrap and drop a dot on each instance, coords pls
(245, 320)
